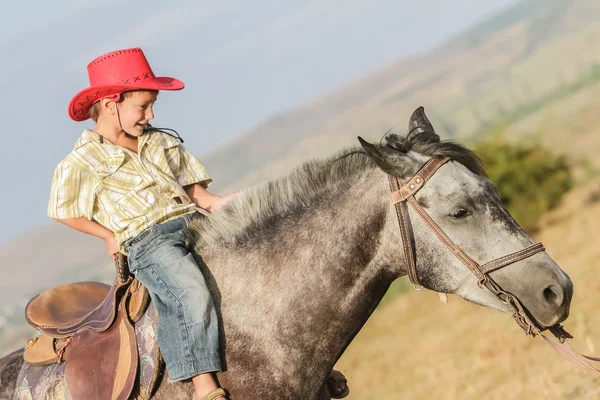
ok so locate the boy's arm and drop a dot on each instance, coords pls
(72, 201)
(194, 179)
(91, 227)
(205, 200)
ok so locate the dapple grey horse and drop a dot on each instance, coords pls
(297, 265)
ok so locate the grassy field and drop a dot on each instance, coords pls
(415, 347)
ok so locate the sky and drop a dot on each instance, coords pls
(242, 62)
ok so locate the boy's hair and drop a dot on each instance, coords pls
(95, 109)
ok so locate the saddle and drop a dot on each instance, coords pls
(89, 324)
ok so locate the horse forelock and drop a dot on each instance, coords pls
(428, 144)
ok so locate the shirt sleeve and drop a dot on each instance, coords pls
(191, 170)
(72, 193)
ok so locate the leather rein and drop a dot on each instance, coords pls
(404, 195)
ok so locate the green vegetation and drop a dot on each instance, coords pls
(530, 179)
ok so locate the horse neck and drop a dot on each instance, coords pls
(300, 292)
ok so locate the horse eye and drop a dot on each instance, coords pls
(459, 213)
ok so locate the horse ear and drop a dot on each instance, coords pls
(381, 156)
(419, 125)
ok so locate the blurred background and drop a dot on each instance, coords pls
(275, 83)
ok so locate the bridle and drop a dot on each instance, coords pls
(404, 194)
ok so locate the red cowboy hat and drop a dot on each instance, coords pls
(114, 73)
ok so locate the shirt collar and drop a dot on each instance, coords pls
(147, 138)
(86, 137)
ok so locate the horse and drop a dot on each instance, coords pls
(297, 265)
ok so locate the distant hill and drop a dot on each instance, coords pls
(501, 65)
(528, 71)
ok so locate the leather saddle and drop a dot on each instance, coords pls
(90, 325)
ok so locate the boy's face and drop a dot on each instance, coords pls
(136, 111)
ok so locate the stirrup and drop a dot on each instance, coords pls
(215, 394)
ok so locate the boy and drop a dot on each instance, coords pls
(137, 189)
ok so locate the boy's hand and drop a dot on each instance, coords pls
(82, 224)
(112, 245)
(225, 199)
(205, 200)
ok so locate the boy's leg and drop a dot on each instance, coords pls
(187, 324)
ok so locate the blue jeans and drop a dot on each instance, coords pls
(188, 330)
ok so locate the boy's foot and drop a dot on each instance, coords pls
(217, 394)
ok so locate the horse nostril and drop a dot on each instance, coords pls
(553, 295)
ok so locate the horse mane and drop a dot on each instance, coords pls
(260, 209)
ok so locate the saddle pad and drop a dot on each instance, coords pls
(151, 362)
(42, 382)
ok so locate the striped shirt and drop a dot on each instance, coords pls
(124, 191)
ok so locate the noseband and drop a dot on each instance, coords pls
(404, 194)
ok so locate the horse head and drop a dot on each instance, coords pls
(457, 221)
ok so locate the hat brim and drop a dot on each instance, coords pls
(80, 104)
